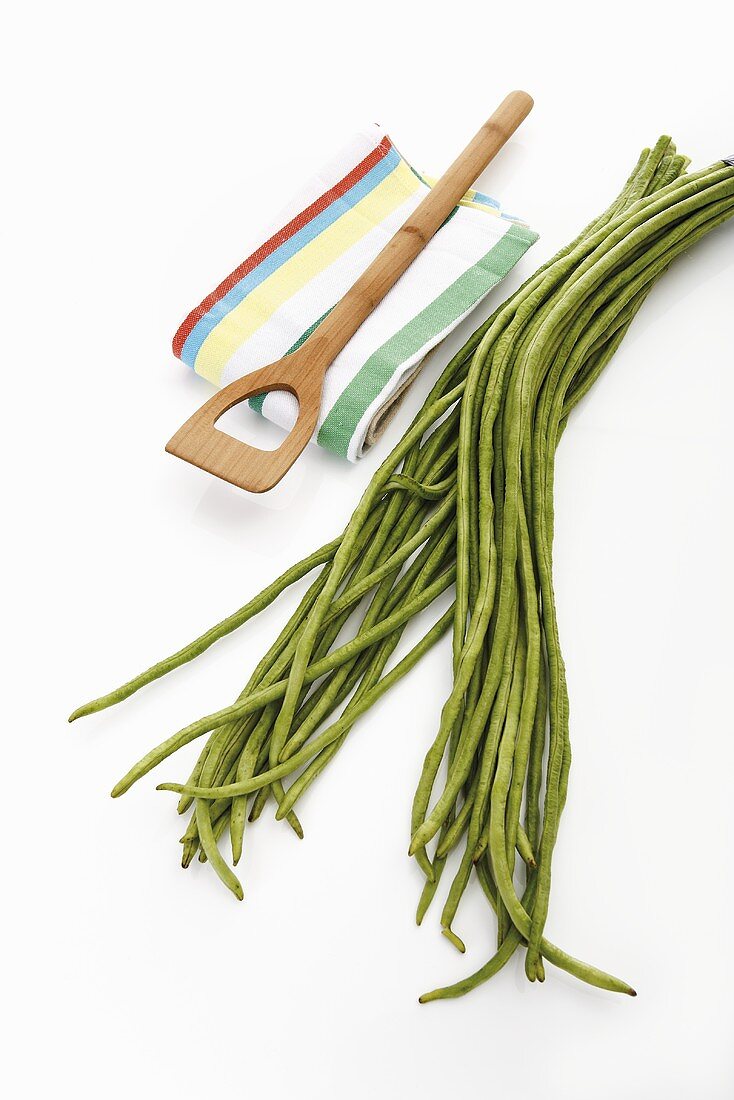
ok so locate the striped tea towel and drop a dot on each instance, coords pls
(326, 238)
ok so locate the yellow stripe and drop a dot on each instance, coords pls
(255, 310)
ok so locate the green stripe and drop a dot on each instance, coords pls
(256, 402)
(340, 425)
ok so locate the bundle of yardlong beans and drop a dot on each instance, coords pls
(465, 501)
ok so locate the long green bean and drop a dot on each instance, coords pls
(464, 500)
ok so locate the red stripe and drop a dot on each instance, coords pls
(278, 239)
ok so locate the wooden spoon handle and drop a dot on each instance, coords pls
(398, 254)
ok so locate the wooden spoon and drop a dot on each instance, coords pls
(302, 373)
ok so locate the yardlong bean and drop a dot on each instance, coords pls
(464, 501)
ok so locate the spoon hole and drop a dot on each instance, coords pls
(253, 428)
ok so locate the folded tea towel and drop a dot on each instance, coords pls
(332, 230)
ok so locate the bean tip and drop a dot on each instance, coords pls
(454, 939)
(426, 998)
(419, 840)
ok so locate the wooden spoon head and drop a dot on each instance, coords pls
(201, 443)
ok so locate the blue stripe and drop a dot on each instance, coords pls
(486, 200)
(281, 255)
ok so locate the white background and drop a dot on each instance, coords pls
(143, 146)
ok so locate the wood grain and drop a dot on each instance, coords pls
(200, 442)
